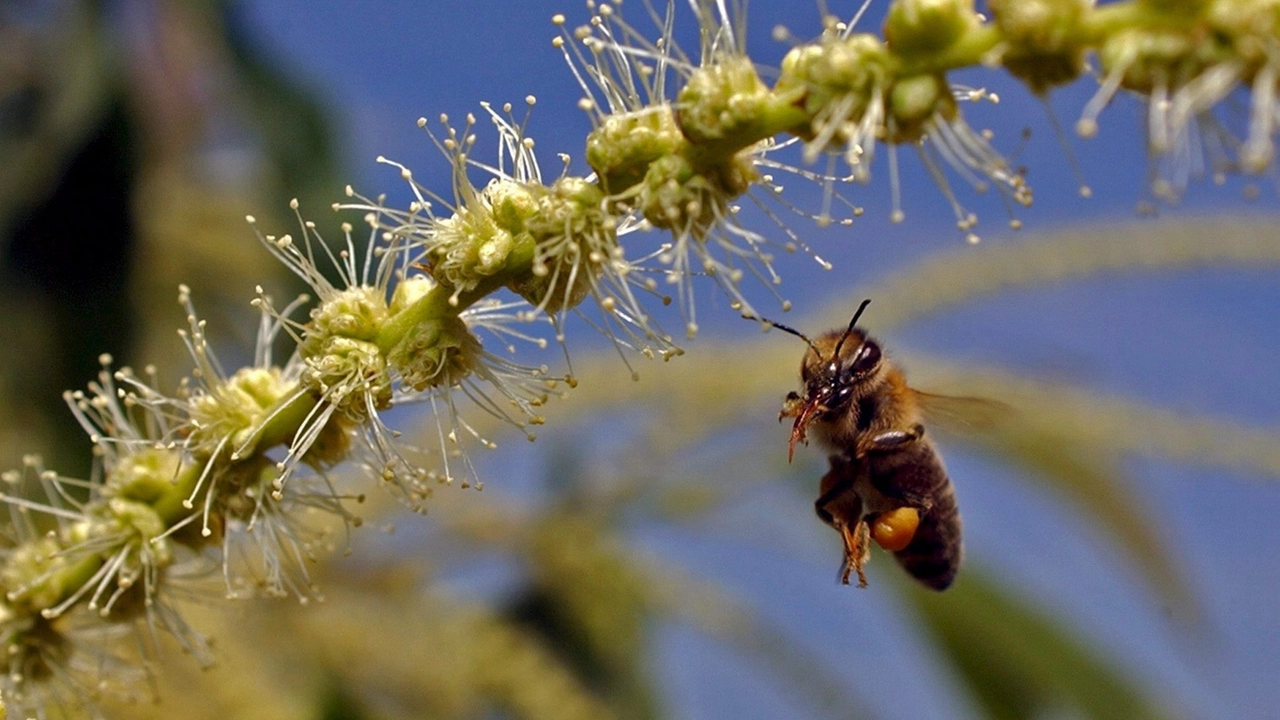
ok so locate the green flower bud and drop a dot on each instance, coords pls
(914, 101)
(511, 203)
(350, 373)
(926, 27)
(356, 313)
(235, 408)
(31, 574)
(845, 71)
(722, 99)
(575, 237)
(438, 352)
(688, 200)
(409, 291)
(143, 521)
(624, 144)
(476, 241)
(573, 207)
(343, 362)
(143, 476)
(1045, 39)
(840, 84)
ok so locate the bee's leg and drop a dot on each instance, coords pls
(837, 482)
(825, 499)
(857, 551)
(820, 507)
(891, 440)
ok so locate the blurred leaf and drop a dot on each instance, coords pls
(1100, 495)
(1019, 662)
(1104, 423)
(945, 280)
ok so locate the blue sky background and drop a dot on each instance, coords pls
(1204, 341)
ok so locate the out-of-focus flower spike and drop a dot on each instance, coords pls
(1184, 60)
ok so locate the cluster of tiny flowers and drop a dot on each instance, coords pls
(554, 245)
(88, 562)
(387, 334)
(241, 496)
(681, 139)
(232, 470)
(857, 96)
(654, 108)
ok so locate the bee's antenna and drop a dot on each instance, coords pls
(783, 328)
(849, 331)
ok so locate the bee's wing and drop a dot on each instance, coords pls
(963, 415)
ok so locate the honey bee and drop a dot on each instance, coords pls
(886, 481)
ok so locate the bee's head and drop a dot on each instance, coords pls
(837, 366)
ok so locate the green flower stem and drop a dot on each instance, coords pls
(969, 50)
(286, 418)
(1105, 21)
(71, 578)
(782, 114)
(169, 505)
(443, 301)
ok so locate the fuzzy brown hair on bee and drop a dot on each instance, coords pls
(886, 481)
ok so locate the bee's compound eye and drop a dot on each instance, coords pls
(894, 530)
(867, 358)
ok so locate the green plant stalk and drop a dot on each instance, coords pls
(971, 49)
(785, 114)
(171, 506)
(782, 115)
(288, 416)
(442, 302)
(1106, 20)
